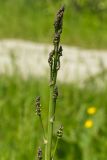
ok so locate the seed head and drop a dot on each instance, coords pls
(58, 20)
(50, 59)
(38, 106)
(56, 39)
(60, 132)
(39, 154)
(58, 25)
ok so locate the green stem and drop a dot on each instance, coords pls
(50, 124)
(55, 149)
(52, 106)
(53, 77)
(44, 136)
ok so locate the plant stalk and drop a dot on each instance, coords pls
(54, 60)
(55, 149)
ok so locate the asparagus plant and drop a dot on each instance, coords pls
(54, 64)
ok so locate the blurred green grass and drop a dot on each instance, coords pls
(20, 131)
(33, 20)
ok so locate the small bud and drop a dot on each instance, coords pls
(61, 9)
(56, 38)
(38, 106)
(60, 132)
(60, 51)
(39, 154)
(50, 59)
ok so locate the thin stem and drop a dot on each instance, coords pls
(53, 61)
(44, 136)
(51, 118)
(52, 106)
(50, 124)
(56, 144)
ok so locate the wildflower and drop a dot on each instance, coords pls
(91, 110)
(88, 124)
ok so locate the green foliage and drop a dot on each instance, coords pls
(19, 128)
(96, 5)
(84, 21)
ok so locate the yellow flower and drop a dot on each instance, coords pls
(88, 123)
(91, 110)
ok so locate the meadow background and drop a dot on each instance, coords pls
(85, 25)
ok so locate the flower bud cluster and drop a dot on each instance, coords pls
(50, 59)
(38, 106)
(60, 132)
(39, 154)
(58, 21)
